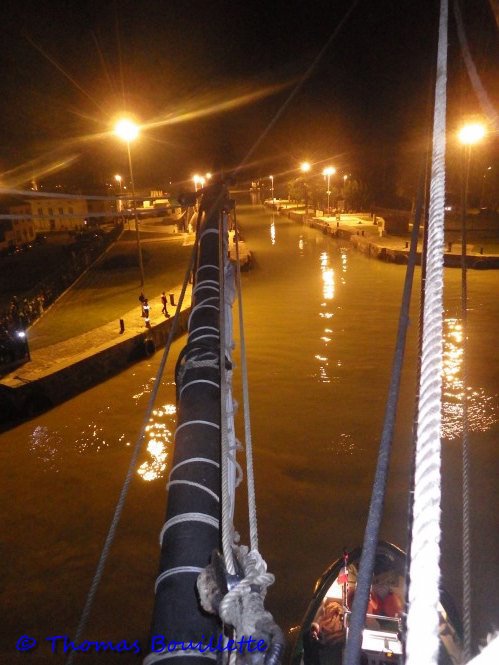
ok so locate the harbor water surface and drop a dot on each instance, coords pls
(320, 324)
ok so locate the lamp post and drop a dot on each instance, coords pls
(468, 135)
(305, 168)
(328, 172)
(272, 187)
(128, 131)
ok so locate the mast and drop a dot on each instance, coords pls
(192, 528)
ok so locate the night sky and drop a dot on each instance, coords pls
(69, 68)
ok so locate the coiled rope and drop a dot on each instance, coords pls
(423, 618)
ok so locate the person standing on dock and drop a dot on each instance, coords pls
(145, 312)
(163, 302)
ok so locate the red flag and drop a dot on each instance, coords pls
(343, 574)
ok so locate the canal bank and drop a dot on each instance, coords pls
(370, 239)
(60, 371)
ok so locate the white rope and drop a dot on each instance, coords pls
(250, 477)
(489, 654)
(423, 619)
(194, 459)
(175, 571)
(207, 232)
(207, 336)
(192, 383)
(206, 265)
(226, 517)
(197, 422)
(187, 517)
(193, 484)
(154, 658)
(198, 328)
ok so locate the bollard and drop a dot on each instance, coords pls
(362, 233)
(337, 225)
(172, 299)
(406, 244)
(122, 326)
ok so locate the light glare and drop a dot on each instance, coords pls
(471, 133)
(126, 130)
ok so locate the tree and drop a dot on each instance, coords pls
(357, 195)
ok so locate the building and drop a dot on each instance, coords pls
(59, 214)
(18, 229)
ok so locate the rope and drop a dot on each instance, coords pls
(252, 517)
(423, 618)
(131, 467)
(368, 557)
(243, 605)
(464, 434)
(489, 654)
(227, 526)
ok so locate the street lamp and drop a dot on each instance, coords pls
(328, 172)
(128, 131)
(198, 180)
(468, 135)
(272, 186)
(305, 168)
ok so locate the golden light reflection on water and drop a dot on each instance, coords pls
(272, 232)
(328, 293)
(481, 408)
(159, 438)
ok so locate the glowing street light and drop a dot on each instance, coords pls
(305, 167)
(128, 131)
(471, 133)
(272, 186)
(198, 180)
(328, 172)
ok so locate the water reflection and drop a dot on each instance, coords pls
(481, 411)
(272, 231)
(328, 293)
(159, 441)
(46, 448)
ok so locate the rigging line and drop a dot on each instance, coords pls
(464, 435)
(424, 571)
(424, 194)
(481, 93)
(131, 467)
(368, 556)
(226, 521)
(252, 516)
(308, 73)
(59, 67)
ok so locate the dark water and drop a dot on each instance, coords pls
(320, 330)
